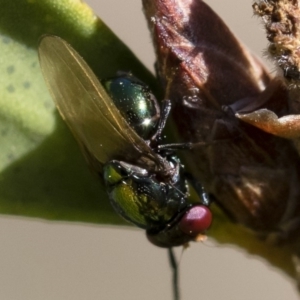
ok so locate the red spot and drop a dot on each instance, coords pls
(196, 220)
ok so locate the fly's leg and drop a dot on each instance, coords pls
(203, 195)
(165, 111)
(175, 272)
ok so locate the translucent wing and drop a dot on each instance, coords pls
(99, 128)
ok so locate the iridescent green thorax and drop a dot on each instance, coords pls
(142, 199)
(135, 102)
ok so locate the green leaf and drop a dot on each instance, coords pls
(43, 173)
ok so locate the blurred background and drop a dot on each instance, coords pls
(64, 261)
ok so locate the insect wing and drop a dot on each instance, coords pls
(87, 109)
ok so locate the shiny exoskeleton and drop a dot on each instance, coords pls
(144, 199)
(118, 125)
(135, 102)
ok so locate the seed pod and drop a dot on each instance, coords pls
(209, 77)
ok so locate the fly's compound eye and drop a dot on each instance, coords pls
(196, 220)
(186, 227)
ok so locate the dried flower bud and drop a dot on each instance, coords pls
(281, 19)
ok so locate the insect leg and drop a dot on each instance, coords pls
(174, 268)
(205, 199)
(165, 111)
(175, 146)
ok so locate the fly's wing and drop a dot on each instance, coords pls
(96, 123)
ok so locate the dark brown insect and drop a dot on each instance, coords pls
(213, 83)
